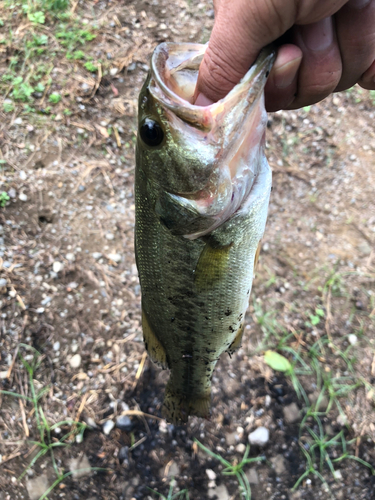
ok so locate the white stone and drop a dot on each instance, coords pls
(23, 175)
(70, 257)
(211, 474)
(352, 339)
(40, 310)
(113, 71)
(240, 448)
(12, 293)
(110, 236)
(56, 346)
(18, 121)
(108, 426)
(57, 266)
(75, 361)
(116, 257)
(22, 197)
(260, 436)
(97, 255)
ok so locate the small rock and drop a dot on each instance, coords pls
(231, 438)
(116, 257)
(252, 476)
(124, 423)
(352, 339)
(220, 492)
(131, 66)
(278, 464)
(97, 255)
(211, 474)
(12, 293)
(80, 467)
(240, 448)
(70, 257)
(110, 236)
(113, 71)
(108, 426)
(79, 438)
(174, 470)
(342, 420)
(291, 413)
(56, 346)
(123, 454)
(91, 423)
(12, 193)
(40, 310)
(57, 267)
(18, 121)
(337, 474)
(37, 487)
(3, 282)
(260, 436)
(75, 361)
(22, 197)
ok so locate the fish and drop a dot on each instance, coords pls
(202, 188)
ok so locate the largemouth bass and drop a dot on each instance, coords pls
(202, 189)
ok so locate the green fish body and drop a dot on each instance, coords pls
(202, 190)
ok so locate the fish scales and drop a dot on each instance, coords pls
(195, 264)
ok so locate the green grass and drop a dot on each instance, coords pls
(235, 469)
(4, 198)
(180, 495)
(45, 443)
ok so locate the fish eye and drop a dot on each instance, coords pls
(151, 132)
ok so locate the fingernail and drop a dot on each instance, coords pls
(285, 74)
(358, 4)
(318, 36)
(202, 100)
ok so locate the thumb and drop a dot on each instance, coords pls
(242, 28)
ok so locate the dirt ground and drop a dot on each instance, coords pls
(69, 286)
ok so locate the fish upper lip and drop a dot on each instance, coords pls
(201, 115)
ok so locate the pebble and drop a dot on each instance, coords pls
(220, 493)
(37, 487)
(108, 426)
(124, 423)
(260, 436)
(352, 339)
(12, 293)
(110, 236)
(70, 257)
(97, 255)
(75, 361)
(22, 197)
(18, 121)
(240, 448)
(12, 193)
(291, 413)
(211, 474)
(57, 266)
(3, 282)
(252, 476)
(23, 175)
(113, 71)
(56, 346)
(40, 310)
(278, 463)
(116, 257)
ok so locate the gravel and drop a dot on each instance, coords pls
(260, 436)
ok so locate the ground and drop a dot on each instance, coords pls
(70, 297)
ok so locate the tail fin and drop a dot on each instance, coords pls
(177, 407)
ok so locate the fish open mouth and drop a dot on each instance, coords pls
(235, 126)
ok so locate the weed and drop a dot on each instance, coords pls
(180, 494)
(55, 98)
(37, 17)
(90, 67)
(4, 198)
(235, 469)
(45, 443)
(8, 107)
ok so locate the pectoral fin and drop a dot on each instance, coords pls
(153, 346)
(212, 266)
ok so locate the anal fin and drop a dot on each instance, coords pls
(153, 346)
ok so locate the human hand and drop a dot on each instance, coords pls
(324, 46)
